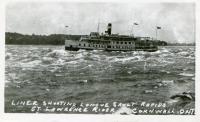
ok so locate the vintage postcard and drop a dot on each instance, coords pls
(100, 58)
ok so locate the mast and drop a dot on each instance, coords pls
(157, 28)
(134, 24)
(98, 27)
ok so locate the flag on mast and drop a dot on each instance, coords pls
(135, 23)
(158, 27)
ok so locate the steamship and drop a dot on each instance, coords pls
(111, 42)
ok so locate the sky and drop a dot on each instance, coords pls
(177, 20)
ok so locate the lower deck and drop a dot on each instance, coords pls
(71, 48)
(108, 46)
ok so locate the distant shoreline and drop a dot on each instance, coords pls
(53, 39)
(58, 39)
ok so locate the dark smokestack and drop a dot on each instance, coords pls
(109, 29)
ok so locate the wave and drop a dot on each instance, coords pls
(107, 71)
(60, 62)
(124, 59)
(186, 74)
(8, 56)
(181, 99)
(166, 82)
(123, 111)
(184, 53)
(30, 64)
(47, 60)
(57, 53)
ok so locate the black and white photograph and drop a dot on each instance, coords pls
(100, 58)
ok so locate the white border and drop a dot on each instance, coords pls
(95, 118)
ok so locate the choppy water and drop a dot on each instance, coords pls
(51, 73)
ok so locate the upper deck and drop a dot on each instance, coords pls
(95, 36)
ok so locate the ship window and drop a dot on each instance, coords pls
(88, 45)
(125, 42)
(117, 42)
(99, 45)
(79, 44)
(121, 42)
(84, 45)
(113, 46)
(129, 42)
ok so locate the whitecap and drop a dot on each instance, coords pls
(172, 101)
(124, 59)
(53, 70)
(79, 56)
(160, 84)
(83, 81)
(8, 56)
(164, 71)
(155, 87)
(60, 62)
(168, 81)
(96, 57)
(164, 50)
(47, 60)
(148, 91)
(81, 50)
(56, 53)
(156, 52)
(186, 74)
(184, 53)
(72, 62)
(129, 72)
(31, 63)
(58, 75)
(191, 57)
(124, 110)
(161, 51)
(48, 90)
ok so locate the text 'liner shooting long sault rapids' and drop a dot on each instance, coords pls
(112, 42)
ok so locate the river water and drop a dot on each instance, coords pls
(51, 73)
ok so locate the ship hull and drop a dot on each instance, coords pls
(107, 49)
(110, 45)
(71, 48)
